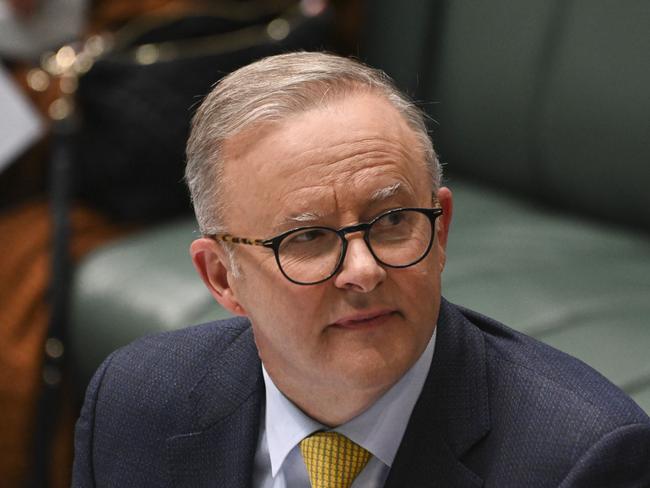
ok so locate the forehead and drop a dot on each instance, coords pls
(328, 160)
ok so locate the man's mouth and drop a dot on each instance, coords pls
(365, 319)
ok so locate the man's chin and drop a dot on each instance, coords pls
(371, 374)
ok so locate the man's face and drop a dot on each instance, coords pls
(333, 166)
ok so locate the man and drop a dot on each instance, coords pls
(324, 226)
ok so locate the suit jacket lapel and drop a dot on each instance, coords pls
(452, 413)
(219, 449)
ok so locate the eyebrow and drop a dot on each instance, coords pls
(385, 193)
(309, 217)
(302, 218)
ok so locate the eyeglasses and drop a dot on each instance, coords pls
(398, 238)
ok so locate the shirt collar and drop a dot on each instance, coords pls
(379, 429)
(286, 425)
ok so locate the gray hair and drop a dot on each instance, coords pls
(270, 90)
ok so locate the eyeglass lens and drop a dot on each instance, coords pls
(396, 239)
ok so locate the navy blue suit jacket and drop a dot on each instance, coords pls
(498, 409)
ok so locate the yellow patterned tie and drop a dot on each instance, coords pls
(332, 460)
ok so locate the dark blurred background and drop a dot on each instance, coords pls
(539, 111)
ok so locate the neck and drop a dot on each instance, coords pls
(330, 406)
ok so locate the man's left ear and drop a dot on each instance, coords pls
(444, 200)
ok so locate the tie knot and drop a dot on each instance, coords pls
(332, 460)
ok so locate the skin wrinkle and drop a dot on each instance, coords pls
(378, 196)
(368, 145)
(362, 148)
(299, 219)
(344, 167)
(303, 198)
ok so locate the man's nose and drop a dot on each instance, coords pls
(360, 270)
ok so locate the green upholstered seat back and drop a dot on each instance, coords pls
(594, 129)
(548, 99)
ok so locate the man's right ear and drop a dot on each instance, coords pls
(211, 262)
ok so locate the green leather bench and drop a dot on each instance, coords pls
(542, 122)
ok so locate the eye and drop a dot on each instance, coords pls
(395, 218)
(391, 220)
(305, 236)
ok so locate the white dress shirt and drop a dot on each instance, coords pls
(379, 430)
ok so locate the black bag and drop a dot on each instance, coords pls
(136, 103)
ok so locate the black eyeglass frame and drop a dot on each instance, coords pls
(274, 242)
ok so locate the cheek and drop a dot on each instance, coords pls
(284, 314)
(296, 306)
(421, 289)
(441, 259)
(427, 273)
(287, 329)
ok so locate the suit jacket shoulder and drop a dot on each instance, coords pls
(152, 404)
(502, 409)
(513, 355)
